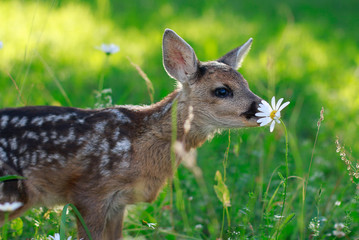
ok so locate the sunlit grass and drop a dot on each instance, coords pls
(299, 52)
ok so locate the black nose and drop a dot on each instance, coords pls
(252, 110)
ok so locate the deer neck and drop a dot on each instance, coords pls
(159, 117)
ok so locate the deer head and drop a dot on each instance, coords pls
(219, 94)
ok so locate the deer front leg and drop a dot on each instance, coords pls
(94, 217)
(114, 224)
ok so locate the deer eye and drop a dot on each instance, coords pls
(223, 92)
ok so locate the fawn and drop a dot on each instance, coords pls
(101, 160)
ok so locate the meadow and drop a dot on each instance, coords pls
(304, 51)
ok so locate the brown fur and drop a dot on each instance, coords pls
(102, 160)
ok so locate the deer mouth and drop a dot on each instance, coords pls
(250, 113)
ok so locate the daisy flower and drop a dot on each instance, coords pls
(9, 207)
(270, 114)
(57, 237)
(109, 48)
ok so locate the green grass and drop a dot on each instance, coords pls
(305, 51)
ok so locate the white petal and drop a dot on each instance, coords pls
(266, 107)
(277, 121)
(262, 125)
(264, 110)
(260, 120)
(283, 106)
(266, 104)
(278, 103)
(273, 102)
(272, 126)
(265, 121)
(261, 114)
(277, 115)
(261, 109)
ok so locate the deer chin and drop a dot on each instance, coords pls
(250, 121)
(242, 122)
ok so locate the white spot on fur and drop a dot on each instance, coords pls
(3, 142)
(22, 122)
(37, 121)
(122, 146)
(91, 140)
(3, 155)
(23, 162)
(104, 161)
(70, 137)
(42, 154)
(33, 158)
(4, 121)
(32, 135)
(162, 112)
(56, 118)
(81, 120)
(166, 108)
(104, 147)
(116, 134)
(13, 143)
(56, 158)
(22, 148)
(44, 137)
(124, 164)
(53, 135)
(156, 115)
(15, 160)
(119, 115)
(100, 126)
(14, 120)
(50, 118)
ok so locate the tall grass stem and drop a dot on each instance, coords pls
(5, 226)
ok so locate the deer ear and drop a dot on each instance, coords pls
(235, 57)
(179, 59)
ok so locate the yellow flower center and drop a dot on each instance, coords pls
(272, 114)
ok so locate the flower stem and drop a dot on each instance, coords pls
(286, 168)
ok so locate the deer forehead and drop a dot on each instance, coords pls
(218, 74)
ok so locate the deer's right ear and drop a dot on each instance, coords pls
(235, 57)
(179, 59)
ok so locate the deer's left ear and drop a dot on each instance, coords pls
(235, 57)
(179, 59)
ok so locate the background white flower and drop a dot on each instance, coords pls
(56, 237)
(9, 207)
(337, 203)
(338, 230)
(270, 114)
(1, 44)
(109, 48)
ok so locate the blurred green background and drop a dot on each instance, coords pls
(305, 51)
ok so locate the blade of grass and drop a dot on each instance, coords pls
(19, 97)
(78, 215)
(10, 177)
(57, 82)
(150, 89)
